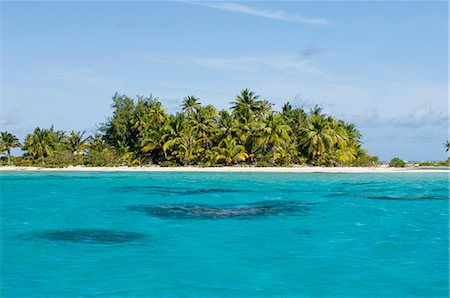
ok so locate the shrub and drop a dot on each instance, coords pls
(366, 161)
(444, 163)
(166, 164)
(397, 163)
(104, 158)
(262, 164)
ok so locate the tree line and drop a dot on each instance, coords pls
(141, 132)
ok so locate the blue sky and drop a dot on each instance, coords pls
(382, 65)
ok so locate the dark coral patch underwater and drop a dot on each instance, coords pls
(403, 198)
(89, 236)
(389, 197)
(241, 211)
(171, 190)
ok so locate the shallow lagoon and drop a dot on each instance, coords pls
(224, 234)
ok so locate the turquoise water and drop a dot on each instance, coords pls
(224, 235)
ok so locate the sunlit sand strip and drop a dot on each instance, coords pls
(295, 169)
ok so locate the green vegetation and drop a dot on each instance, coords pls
(140, 132)
(397, 163)
(445, 163)
(8, 142)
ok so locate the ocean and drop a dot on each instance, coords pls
(92, 234)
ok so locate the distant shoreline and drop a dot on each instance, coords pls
(295, 169)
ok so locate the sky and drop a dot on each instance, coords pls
(381, 65)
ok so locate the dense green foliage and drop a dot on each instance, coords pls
(397, 163)
(8, 142)
(140, 132)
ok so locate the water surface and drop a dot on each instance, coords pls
(224, 234)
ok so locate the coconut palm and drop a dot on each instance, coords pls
(96, 143)
(285, 154)
(274, 133)
(317, 138)
(190, 105)
(286, 109)
(8, 141)
(140, 131)
(229, 152)
(344, 156)
(203, 123)
(296, 119)
(447, 145)
(175, 130)
(339, 132)
(245, 105)
(154, 140)
(75, 142)
(226, 126)
(40, 144)
(316, 110)
(187, 148)
(264, 109)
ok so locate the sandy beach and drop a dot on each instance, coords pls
(295, 169)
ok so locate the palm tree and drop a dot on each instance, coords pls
(286, 110)
(245, 105)
(40, 144)
(189, 147)
(295, 118)
(203, 124)
(274, 133)
(75, 142)
(338, 132)
(317, 138)
(226, 125)
(286, 154)
(96, 143)
(230, 152)
(344, 156)
(251, 132)
(7, 142)
(316, 110)
(447, 146)
(264, 109)
(190, 105)
(154, 140)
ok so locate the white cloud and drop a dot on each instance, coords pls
(423, 115)
(265, 13)
(12, 118)
(73, 75)
(244, 63)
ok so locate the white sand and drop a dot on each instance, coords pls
(295, 169)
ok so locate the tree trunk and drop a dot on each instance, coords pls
(9, 156)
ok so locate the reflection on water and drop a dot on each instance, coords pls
(197, 211)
